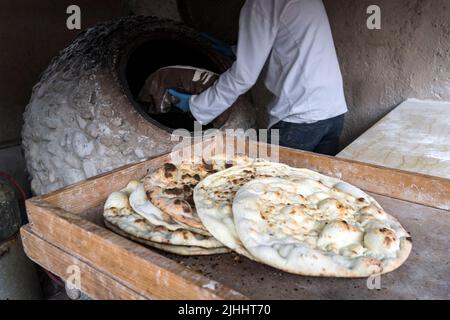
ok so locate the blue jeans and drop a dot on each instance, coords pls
(320, 137)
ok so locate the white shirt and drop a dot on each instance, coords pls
(303, 71)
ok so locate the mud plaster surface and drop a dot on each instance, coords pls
(413, 137)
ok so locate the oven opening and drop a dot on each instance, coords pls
(159, 51)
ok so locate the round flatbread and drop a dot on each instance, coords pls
(118, 212)
(142, 206)
(214, 196)
(170, 187)
(318, 226)
(180, 250)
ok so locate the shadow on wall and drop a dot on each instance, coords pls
(407, 58)
(32, 33)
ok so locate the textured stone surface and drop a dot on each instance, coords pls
(9, 211)
(80, 121)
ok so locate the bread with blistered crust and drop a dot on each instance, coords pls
(170, 187)
(347, 236)
(180, 250)
(214, 195)
(119, 213)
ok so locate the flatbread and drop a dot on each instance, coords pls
(119, 213)
(170, 187)
(214, 196)
(142, 206)
(318, 226)
(180, 250)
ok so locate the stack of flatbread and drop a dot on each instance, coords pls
(296, 220)
(159, 210)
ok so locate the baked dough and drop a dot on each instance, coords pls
(119, 213)
(180, 250)
(143, 206)
(170, 187)
(214, 196)
(318, 226)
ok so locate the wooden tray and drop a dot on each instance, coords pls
(66, 229)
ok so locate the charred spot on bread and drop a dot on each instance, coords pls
(183, 204)
(186, 207)
(160, 228)
(174, 191)
(374, 262)
(237, 181)
(207, 166)
(169, 168)
(190, 200)
(347, 226)
(389, 236)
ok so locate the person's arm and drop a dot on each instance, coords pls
(256, 36)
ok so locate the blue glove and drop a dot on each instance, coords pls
(180, 100)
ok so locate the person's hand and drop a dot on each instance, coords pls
(180, 100)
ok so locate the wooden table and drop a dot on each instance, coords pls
(66, 230)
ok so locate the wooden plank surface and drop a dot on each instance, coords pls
(425, 275)
(93, 282)
(394, 183)
(145, 271)
(398, 184)
(59, 218)
(93, 191)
